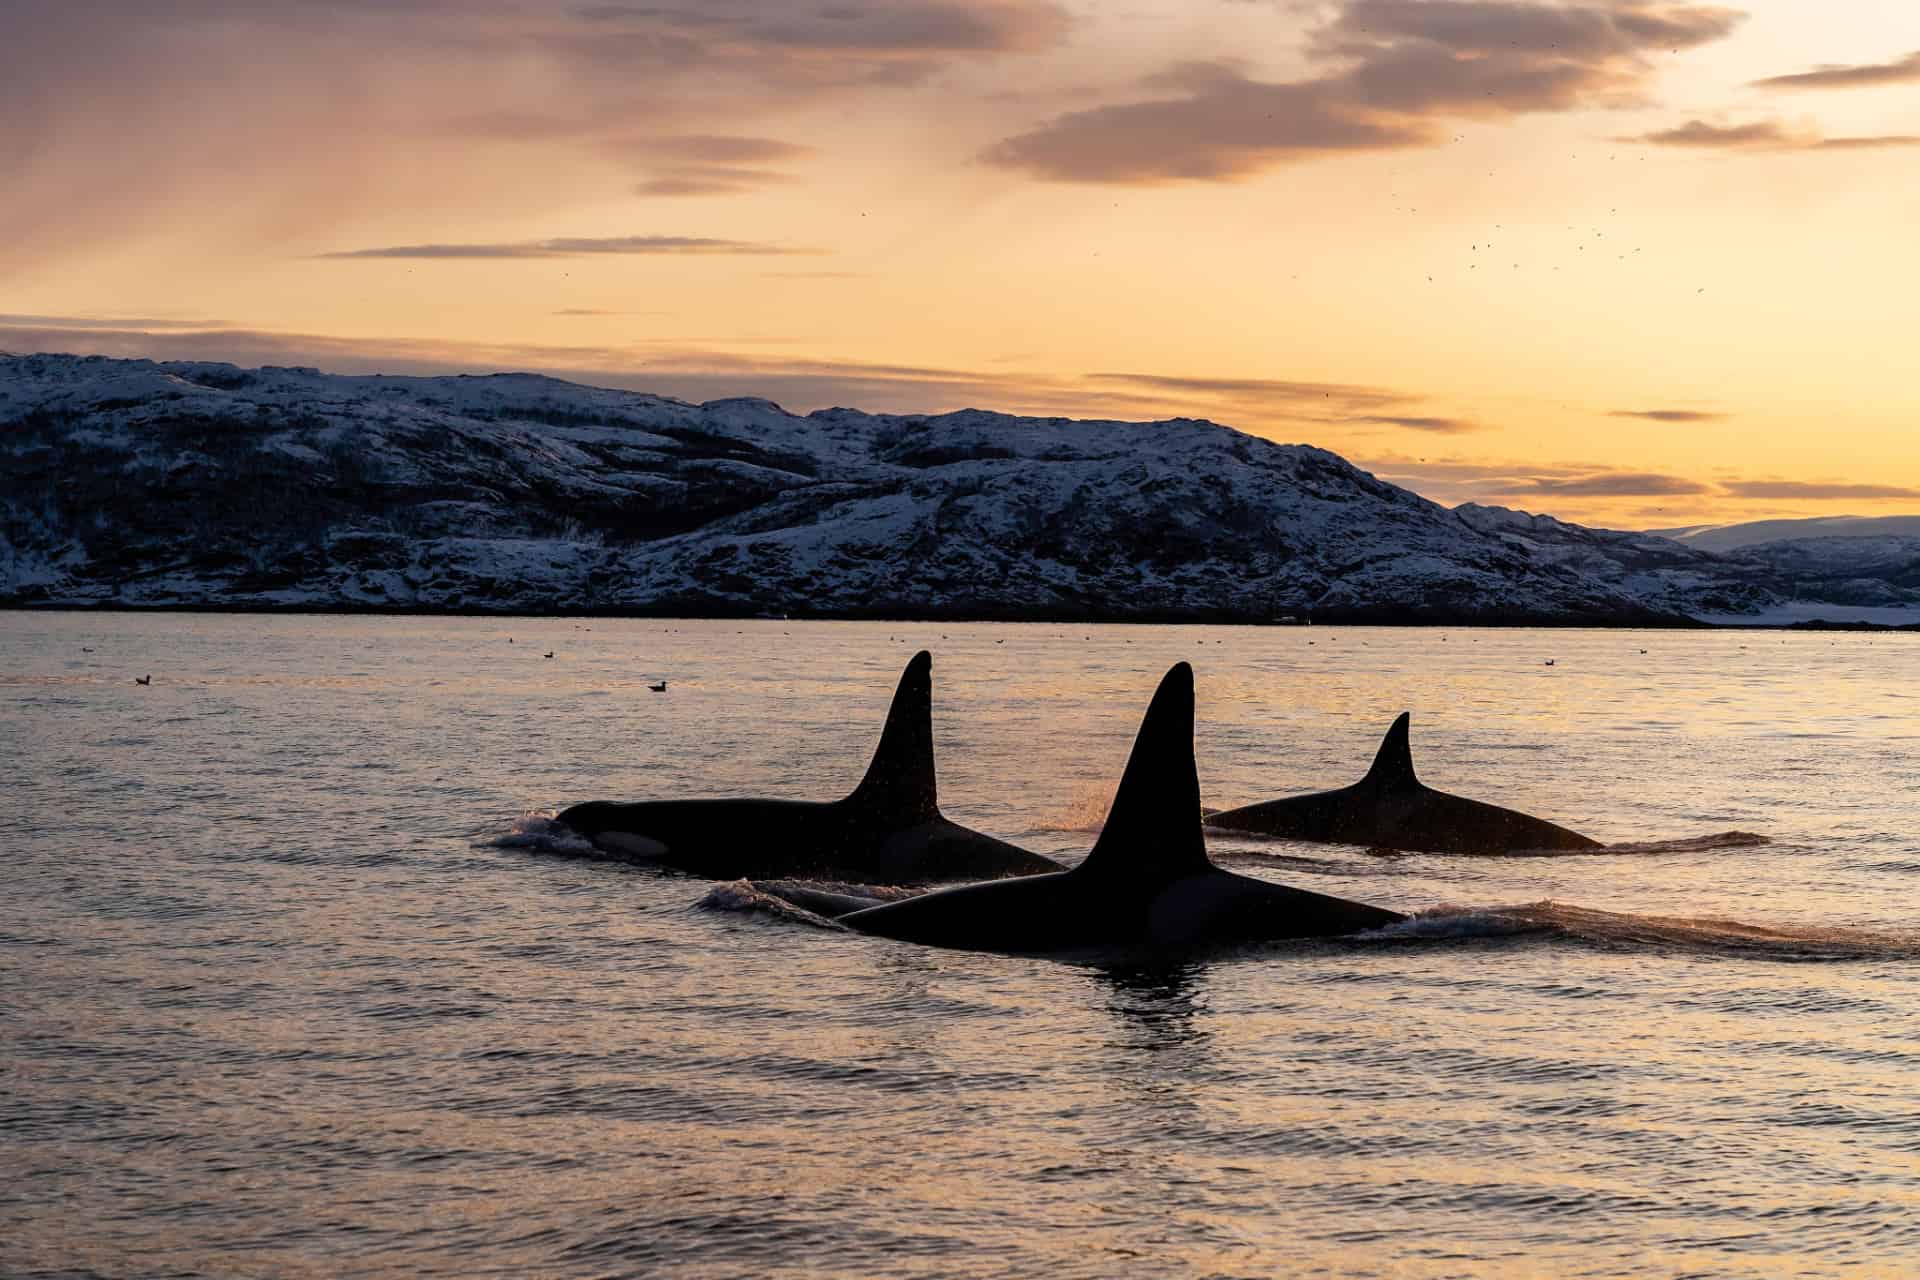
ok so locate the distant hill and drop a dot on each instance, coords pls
(133, 483)
(1730, 537)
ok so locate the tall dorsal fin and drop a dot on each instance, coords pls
(899, 784)
(1393, 763)
(1153, 829)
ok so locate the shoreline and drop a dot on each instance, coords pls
(1356, 618)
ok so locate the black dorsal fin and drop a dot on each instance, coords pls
(899, 785)
(1393, 763)
(1153, 829)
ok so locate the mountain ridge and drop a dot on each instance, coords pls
(205, 485)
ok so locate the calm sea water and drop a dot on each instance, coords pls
(289, 985)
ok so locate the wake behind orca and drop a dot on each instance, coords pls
(1147, 884)
(1391, 808)
(888, 831)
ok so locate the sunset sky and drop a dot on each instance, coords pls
(1629, 262)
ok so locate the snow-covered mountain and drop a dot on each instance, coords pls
(136, 483)
(1732, 537)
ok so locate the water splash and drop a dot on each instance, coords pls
(541, 831)
(1084, 811)
(816, 899)
(746, 897)
(1692, 844)
(1626, 931)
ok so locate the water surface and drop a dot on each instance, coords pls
(275, 1000)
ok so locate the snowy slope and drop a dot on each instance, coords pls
(1732, 537)
(137, 483)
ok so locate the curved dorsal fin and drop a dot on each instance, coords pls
(1393, 763)
(899, 785)
(1153, 829)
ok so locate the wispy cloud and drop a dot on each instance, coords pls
(1613, 484)
(1669, 415)
(576, 247)
(1870, 142)
(1394, 70)
(1569, 485)
(1321, 397)
(1441, 426)
(1816, 489)
(1763, 135)
(1840, 76)
(713, 148)
(1577, 488)
(82, 324)
(710, 180)
(706, 164)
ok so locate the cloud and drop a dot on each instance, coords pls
(1876, 141)
(1835, 76)
(1295, 398)
(1567, 486)
(712, 148)
(812, 44)
(1612, 484)
(1762, 135)
(1392, 71)
(1815, 489)
(880, 26)
(1699, 133)
(1575, 487)
(1232, 128)
(574, 247)
(709, 180)
(85, 323)
(1442, 426)
(1668, 415)
(706, 164)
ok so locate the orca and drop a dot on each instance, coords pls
(888, 831)
(1391, 808)
(1147, 886)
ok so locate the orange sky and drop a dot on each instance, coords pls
(1631, 262)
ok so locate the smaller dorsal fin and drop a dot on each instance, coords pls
(1393, 763)
(900, 783)
(1152, 831)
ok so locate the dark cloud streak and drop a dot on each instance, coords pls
(1610, 484)
(1815, 489)
(1762, 135)
(1900, 71)
(1270, 391)
(575, 247)
(1669, 415)
(1440, 426)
